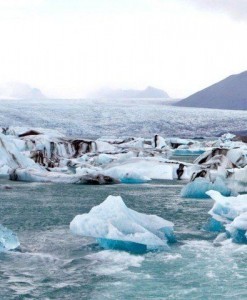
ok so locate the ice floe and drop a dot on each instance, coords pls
(231, 213)
(115, 226)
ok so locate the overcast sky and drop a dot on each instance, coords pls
(70, 47)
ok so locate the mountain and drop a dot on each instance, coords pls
(17, 90)
(149, 92)
(230, 93)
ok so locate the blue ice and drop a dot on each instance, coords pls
(199, 187)
(115, 226)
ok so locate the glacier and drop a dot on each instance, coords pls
(115, 226)
(143, 118)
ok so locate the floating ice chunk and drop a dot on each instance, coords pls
(238, 229)
(30, 175)
(8, 239)
(199, 187)
(115, 226)
(151, 167)
(226, 157)
(134, 177)
(147, 167)
(231, 212)
(226, 209)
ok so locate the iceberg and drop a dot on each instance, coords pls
(230, 212)
(133, 177)
(8, 239)
(226, 209)
(30, 175)
(141, 168)
(11, 157)
(115, 226)
(238, 229)
(229, 158)
(237, 179)
(44, 155)
(151, 167)
(199, 187)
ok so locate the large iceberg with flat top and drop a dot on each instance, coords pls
(145, 168)
(8, 239)
(115, 226)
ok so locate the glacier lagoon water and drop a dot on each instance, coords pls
(54, 264)
(97, 118)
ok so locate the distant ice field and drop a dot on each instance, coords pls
(97, 118)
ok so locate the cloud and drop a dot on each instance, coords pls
(237, 9)
(79, 45)
(20, 3)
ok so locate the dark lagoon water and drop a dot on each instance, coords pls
(54, 264)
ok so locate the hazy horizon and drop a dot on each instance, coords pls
(68, 49)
